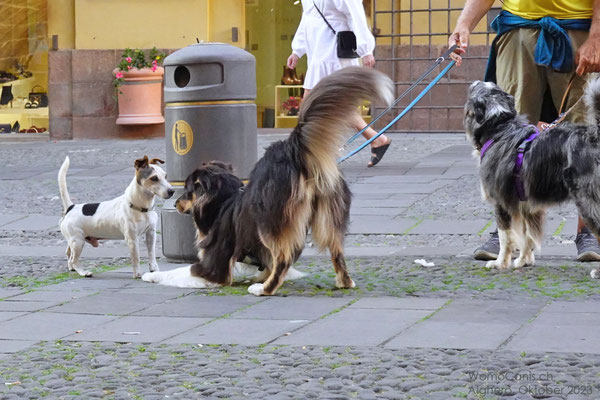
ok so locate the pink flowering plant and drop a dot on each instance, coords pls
(137, 59)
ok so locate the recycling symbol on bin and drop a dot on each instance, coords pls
(182, 137)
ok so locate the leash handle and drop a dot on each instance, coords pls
(437, 62)
(402, 114)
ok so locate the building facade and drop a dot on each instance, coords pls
(67, 49)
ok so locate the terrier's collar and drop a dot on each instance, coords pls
(140, 209)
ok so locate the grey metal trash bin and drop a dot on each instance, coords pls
(210, 114)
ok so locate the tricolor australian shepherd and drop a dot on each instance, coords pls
(295, 186)
(522, 175)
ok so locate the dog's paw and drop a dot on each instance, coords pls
(83, 272)
(137, 275)
(257, 289)
(153, 267)
(150, 277)
(293, 274)
(525, 261)
(495, 264)
(344, 284)
(595, 274)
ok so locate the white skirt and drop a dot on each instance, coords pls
(320, 69)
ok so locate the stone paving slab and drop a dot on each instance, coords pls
(33, 223)
(8, 315)
(379, 225)
(355, 327)
(292, 308)
(100, 171)
(7, 293)
(52, 294)
(451, 227)
(138, 329)
(390, 201)
(9, 305)
(400, 179)
(403, 303)
(6, 219)
(499, 311)
(13, 346)
(395, 188)
(112, 304)
(454, 335)
(48, 326)
(568, 338)
(198, 306)
(388, 212)
(247, 332)
(12, 175)
(573, 307)
(418, 170)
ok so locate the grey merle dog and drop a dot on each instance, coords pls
(560, 165)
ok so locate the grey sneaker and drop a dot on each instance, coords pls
(489, 250)
(588, 248)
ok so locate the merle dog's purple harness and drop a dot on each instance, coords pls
(523, 147)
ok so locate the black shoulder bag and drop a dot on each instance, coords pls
(346, 40)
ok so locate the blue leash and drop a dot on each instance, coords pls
(437, 62)
(402, 114)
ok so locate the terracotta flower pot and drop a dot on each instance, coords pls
(140, 97)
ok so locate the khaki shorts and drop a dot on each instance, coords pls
(518, 74)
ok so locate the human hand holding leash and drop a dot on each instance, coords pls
(587, 58)
(460, 38)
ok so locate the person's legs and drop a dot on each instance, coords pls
(588, 248)
(518, 75)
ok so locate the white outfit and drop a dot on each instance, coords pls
(317, 41)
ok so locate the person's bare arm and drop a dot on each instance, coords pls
(587, 58)
(470, 16)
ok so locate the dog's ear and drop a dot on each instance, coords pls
(141, 163)
(479, 111)
(156, 161)
(220, 164)
(190, 181)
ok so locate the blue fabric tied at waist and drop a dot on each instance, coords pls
(553, 48)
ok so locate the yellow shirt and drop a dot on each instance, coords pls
(559, 9)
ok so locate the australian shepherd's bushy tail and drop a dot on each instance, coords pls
(328, 112)
(592, 101)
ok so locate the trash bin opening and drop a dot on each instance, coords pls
(182, 76)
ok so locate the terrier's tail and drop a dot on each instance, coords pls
(62, 185)
(330, 111)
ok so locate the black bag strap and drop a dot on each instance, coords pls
(325, 19)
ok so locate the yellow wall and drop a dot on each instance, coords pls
(225, 15)
(61, 22)
(117, 24)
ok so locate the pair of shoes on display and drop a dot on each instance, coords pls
(33, 129)
(588, 248)
(7, 77)
(6, 96)
(289, 77)
(32, 104)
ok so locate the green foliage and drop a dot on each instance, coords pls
(138, 59)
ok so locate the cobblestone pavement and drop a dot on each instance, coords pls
(122, 371)
(453, 330)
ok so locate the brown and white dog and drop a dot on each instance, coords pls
(125, 217)
(294, 187)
